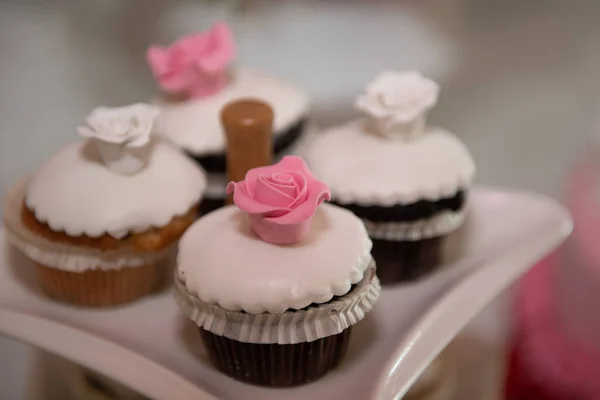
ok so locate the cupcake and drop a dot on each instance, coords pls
(276, 282)
(99, 216)
(197, 79)
(408, 181)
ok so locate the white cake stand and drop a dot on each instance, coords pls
(151, 347)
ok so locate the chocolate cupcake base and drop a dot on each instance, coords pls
(210, 204)
(400, 261)
(408, 238)
(283, 349)
(276, 365)
(98, 288)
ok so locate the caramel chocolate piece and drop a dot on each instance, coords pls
(248, 127)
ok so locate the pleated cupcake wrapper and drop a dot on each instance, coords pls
(215, 186)
(289, 327)
(274, 364)
(98, 288)
(64, 256)
(439, 225)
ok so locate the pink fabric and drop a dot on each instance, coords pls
(584, 205)
(281, 199)
(553, 356)
(554, 360)
(195, 65)
(519, 382)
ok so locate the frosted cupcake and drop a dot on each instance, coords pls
(276, 277)
(408, 181)
(98, 217)
(197, 78)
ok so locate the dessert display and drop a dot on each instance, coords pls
(407, 180)
(277, 276)
(197, 79)
(280, 258)
(101, 214)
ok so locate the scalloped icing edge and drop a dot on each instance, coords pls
(289, 327)
(61, 255)
(440, 224)
(157, 213)
(337, 287)
(448, 189)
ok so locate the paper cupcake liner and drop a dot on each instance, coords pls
(290, 327)
(64, 256)
(401, 261)
(216, 183)
(97, 288)
(276, 365)
(439, 225)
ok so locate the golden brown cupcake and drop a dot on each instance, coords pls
(100, 215)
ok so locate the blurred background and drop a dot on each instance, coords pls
(519, 79)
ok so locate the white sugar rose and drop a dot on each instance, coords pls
(121, 135)
(398, 102)
(129, 125)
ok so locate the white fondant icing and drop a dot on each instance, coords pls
(289, 327)
(440, 224)
(196, 125)
(75, 193)
(65, 256)
(368, 169)
(222, 262)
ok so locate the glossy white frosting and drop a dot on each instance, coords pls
(75, 193)
(368, 169)
(196, 126)
(223, 263)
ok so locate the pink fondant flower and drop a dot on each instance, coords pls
(195, 65)
(281, 199)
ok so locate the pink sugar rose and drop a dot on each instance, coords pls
(195, 65)
(281, 199)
